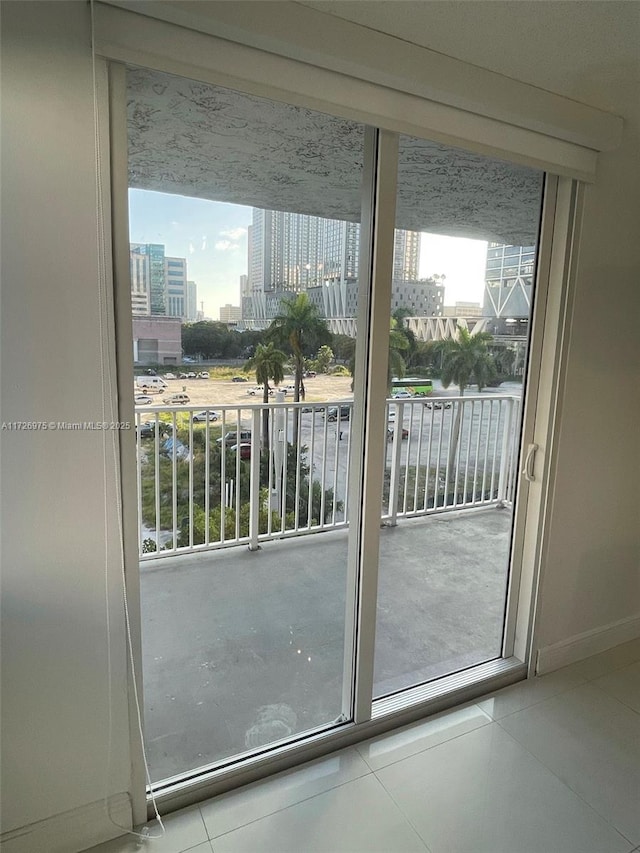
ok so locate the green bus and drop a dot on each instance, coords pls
(416, 386)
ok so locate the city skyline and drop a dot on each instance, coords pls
(212, 236)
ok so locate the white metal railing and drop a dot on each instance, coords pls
(248, 473)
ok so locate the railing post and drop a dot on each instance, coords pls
(396, 450)
(254, 480)
(505, 453)
(279, 449)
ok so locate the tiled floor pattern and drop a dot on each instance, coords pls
(545, 766)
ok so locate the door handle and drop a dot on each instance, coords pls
(529, 463)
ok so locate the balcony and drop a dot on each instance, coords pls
(251, 473)
(243, 649)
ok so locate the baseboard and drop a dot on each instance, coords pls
(72, 831)
(589, 643)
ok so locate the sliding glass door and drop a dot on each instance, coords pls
(461, 304)
(244, 242)
(330, 338)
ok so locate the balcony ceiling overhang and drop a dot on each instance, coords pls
(199, 140)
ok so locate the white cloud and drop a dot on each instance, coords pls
(234, 233)
(226, 245)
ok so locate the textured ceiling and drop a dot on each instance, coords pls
(195, 139)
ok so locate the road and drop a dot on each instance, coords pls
(428, 434)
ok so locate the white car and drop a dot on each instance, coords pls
(170, 376)
(199, 417)
(259, 390)
(142, 400)
(402, 395)
(177, 400)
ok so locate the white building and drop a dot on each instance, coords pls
(192, 301)
(175, 270)
(230, 313)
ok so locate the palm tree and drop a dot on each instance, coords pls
(465, 359)
(268, 363)
(398, 344)
(301, 328)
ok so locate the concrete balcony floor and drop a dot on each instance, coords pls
(241, 649)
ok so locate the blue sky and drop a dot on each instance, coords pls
(212, 236)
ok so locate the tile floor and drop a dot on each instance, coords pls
(546, 766)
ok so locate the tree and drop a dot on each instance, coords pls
(268, 363)
(410, 351)
(210, 339)
(300, 328)
(398, 345)
(465, 360)
(323, 359)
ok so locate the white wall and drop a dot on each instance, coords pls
(53, 622)
(54, 648)
(591, 578)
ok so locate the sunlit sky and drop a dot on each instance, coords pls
(212, 236)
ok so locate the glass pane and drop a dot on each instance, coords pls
(461, 301)
(244, 228)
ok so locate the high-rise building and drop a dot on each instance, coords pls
(406, 255)
(159, 285)
(149, 277)
(192, 301)
(176, 287)
(292, 252)
(139, 274)
(508, 288)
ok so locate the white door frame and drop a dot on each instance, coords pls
(546, 373)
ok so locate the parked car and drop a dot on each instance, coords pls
(142, 400)
(344, 413)
(402, 395)
(150, 384)
(188, 360)
(437, 404)
(177, 400)
(202, 375)
(148, 429)
(259, 390)
(202, 417)
(239, 379)
(390, 431)
(232, 437)
(245, 450)
(170, 376)
(191, 375)
(310, 374)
